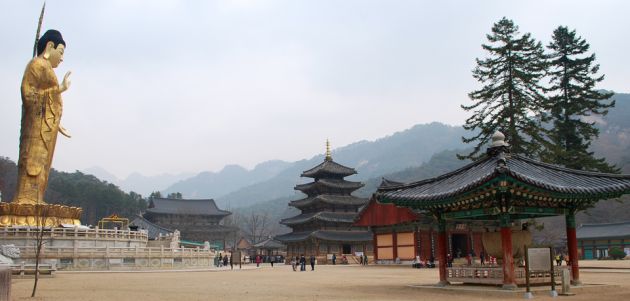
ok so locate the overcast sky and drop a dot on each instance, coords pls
(188, 86)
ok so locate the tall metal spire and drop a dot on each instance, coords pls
(39, 28)
(328, 156)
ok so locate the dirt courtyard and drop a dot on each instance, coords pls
(281, 283)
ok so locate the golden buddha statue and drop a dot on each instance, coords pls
(41, 115)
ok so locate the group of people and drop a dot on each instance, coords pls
(223, 261)
(344, 259)
(423, 263)
(363, 259)
(561, 257)
(301, 260)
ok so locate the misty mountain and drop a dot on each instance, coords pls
(613, 144)
(614, 137)
(230, 178)
(137, 182)
(405, 149)
(278, 208)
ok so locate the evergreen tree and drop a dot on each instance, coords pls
(573, 98)
(511, 99)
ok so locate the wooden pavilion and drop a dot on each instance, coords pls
(502, 188)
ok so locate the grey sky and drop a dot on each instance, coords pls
(174, 86)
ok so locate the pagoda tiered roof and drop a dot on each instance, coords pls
(329, 197)
(329, 169)
(326, 216)
(330, 235)
(323, 186)
(504, 182)
(343, 200)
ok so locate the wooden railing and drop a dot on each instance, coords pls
(494, 275)
(73, 233)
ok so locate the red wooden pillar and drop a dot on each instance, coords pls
(375, 243)
(395, 243)
(572, 246)
(416, 239)
(508, 260)
(441, 250)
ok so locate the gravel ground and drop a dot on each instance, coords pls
(281, 283)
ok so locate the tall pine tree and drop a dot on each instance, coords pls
(573, 98)
(511, 99)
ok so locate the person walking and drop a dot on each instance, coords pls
(258, 260)
(302, 263)
(272, 259)
(482, 258)
(334, 259)
(293, 263)
(365, 259)
(225, 260)
(312, 263)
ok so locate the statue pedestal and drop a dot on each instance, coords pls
(37, 215)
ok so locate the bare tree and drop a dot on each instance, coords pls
(258, 226)
(41, 219)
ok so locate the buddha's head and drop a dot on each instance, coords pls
(51, 46)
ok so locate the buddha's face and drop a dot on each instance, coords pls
(55, 54)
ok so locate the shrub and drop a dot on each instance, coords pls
(616, 253)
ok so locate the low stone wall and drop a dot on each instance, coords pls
(73, 237)
(120, 258)
(102, 249)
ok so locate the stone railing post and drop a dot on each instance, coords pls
(5, 283)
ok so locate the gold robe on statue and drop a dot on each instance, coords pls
(41, 115)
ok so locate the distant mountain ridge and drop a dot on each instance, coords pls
(137, 182)
(230, 178)
(399, 151)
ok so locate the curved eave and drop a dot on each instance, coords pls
(329, 199)
(334, 217)
(329, 185)
(329, 235)
(329, 168)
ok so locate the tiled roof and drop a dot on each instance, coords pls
(389, 183)
(153, 230)
(329, 199)
(329, 184)
(337, 217)
(330, 235)
(185, 206)
(269, 244)
(328, 168)
(541, 175)
(597, 231)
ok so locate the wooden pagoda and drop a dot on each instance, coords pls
(503, 188)
(324, 226)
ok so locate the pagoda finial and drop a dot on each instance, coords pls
(328, 156)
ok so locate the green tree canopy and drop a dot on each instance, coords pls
(573, 99)
(511, 99)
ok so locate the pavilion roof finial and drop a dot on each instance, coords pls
(498, 139)
(328, 156)
(498, 144)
